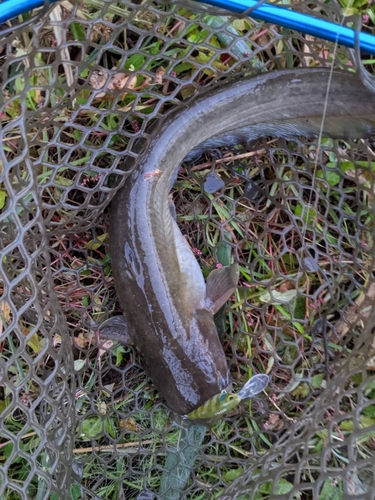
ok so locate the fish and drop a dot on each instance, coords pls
(225, 402)
(168, 307)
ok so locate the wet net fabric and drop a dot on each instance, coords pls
(82, 84)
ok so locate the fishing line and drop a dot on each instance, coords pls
(316, 210)
(320, 136)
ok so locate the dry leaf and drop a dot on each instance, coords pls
(131, 425)
(105, 347)
(98, 80)
(5, 315)
(159, 75)
(274, 422)
(81, 340)
(122, 80)
(307, 50)
(370, 364)
(355, 313)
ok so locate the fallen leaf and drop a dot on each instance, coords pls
(98, 80)
(159, 75)
(122, 80)
(79, 364)
(5, 315)
(274, 422)
(131, 425)
(355, 313)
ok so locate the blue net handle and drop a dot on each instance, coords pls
(280, 16)
(303, 23)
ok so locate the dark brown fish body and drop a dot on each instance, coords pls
(168, 313)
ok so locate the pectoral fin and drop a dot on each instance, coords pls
(220, 285)
(117, 329)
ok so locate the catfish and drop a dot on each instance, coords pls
(168, 308)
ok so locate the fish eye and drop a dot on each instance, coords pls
(230, 397)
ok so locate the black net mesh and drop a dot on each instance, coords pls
(81, 84)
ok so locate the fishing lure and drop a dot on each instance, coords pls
(224, 402)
